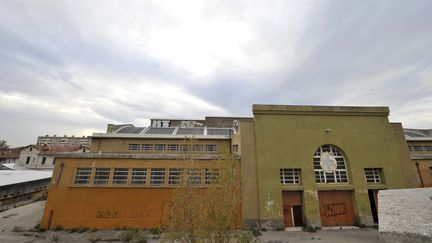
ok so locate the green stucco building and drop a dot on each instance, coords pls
(319, 165)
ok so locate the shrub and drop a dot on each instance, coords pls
(128, 235)
(156, 231)
(246, 237)
(256, 232)
(309, 229)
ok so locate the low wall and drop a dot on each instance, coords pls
(405, 215)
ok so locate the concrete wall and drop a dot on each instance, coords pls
(405, 215)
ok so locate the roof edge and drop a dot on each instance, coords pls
(320, 110)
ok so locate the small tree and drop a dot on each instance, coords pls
(209, 213)
(3, 145)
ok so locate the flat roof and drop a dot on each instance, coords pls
(180, 156)
(320, 110)
(10, 177)
(163, 136)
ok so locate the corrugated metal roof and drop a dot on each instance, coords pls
(10, 177)
(190, 131)
(219, 131)
(160, 130)
(135, 130)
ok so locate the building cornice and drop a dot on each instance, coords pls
(320, 110)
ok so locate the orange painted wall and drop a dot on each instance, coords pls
(112, 206)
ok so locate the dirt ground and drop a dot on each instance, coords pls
(24, 218)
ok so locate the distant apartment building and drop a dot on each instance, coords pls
(420, 147)
(42, 157)
(63, 141)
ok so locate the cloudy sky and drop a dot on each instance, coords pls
(71, 67)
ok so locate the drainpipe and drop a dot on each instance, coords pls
(418, 170)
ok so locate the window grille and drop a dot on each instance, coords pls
(211, 176)
(340, 175)
(102, 176)
(290, 176)
(174, 176)
(147, 147)
(427, 148)
(417, 148)
(139, 176)
(235, 148)
(210, 147)
(82, 176)
(198, 147)
(372, 175)
(157, 176)
(160, 146)
(194, 177)
(173, 147)
(120, 176)
(134, 146)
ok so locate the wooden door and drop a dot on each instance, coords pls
(336, 208)
(292, 208)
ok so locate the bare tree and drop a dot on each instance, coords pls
(3, 145)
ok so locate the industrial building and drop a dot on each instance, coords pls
(420, 148)
(301, 165)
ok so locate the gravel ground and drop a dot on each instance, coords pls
(26, 217)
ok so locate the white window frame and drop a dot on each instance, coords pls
(339, 176)
(134, 146)
(99, 179)
(160, 147)
(211, 147)
(290, 176)
(120, 176)
(372, 175)
(211, 175)
(139, 176)
(82, 176)
(157, 176)
(173, 147)
(174, 176)
(147, 147)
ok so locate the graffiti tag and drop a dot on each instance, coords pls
(335, 209)
(107, 214)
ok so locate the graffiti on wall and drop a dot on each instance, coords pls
(107, 214)
(335, 209)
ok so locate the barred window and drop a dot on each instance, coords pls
(211, 176)
(174, 176)
(82, 176)
(160, 146)
(102, 176)
(211, 147)
(134, 147)
(157, 176)
(173, 147)
(139, 176)
(290, 176)
(194, 176)
(417, 148)
(235, 148)
(147, 147)
(427, 148)
(120, 176)
(372, 175)
(184, 147)
(198, 147)
(339, 175)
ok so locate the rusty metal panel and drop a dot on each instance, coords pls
(290, 199)
(336, 208)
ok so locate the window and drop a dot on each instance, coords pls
(184, 147)
(372, 175)
(339, 174)
(139, 176)
(427, 148)
(102, 176)
(157, 176)
(211, 176)
(174, 176)
(210, 147)
(173, 147)
(235, 148)
(28, 160)
(159, 146)
(134, 146)
(82, 176)
(417, 148)
(43, 160)
(290, 176)
(198, 147)
(147, 147)
(194, 177)
(120, 176)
